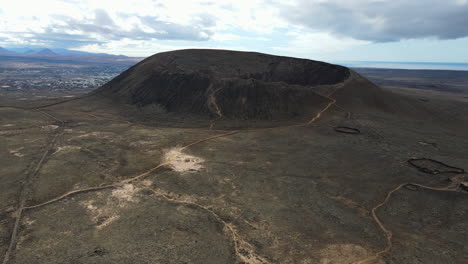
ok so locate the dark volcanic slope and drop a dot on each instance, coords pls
(232, 84)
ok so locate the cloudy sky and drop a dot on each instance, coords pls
(331, 30)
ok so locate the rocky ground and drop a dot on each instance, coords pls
(98, 187)
(191, 159)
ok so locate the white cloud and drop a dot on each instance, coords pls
(230, 36)
(143, 27)
(381, 20)
(96, 22)
(317, 43)
(142, 48)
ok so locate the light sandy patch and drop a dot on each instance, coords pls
(8, 125)
(97, 134)
(9, 209)
(27, 221)
(345, 254)
(181, 198)
(89, 205)
(102, 135)
(125, 194)
(16, 152)
(243, 249)
(464, 186)
(147, 183)
(182, 162)
(49, 127)
(107, 221)
(105, 215)
(66, 149)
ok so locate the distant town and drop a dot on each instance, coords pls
(28, 74)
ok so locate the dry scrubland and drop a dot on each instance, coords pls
(132, 184)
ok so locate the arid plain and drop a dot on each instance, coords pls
(93, 180)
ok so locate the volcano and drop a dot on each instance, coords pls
(239, 85)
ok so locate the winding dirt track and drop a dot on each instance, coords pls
(238, 242)
(388, 234)
(146, 173)
(27, 187)
(22, 206)
(243, 249)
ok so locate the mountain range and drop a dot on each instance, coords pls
(50, 52)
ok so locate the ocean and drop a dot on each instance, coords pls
(406, 65)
